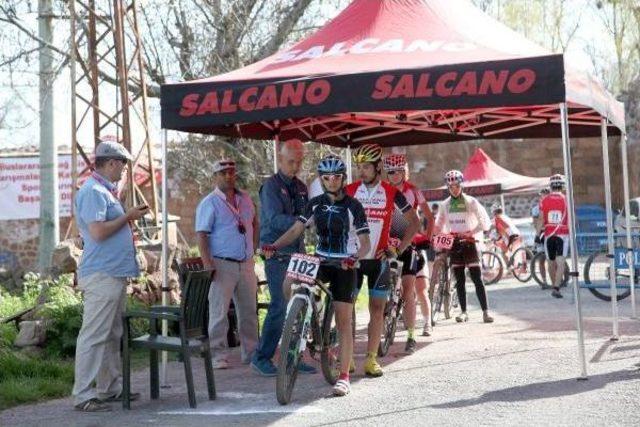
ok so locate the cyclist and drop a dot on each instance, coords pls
(395, 166)
(539, 239)
(464, 216)
(379, 199)
(553, 221)
(508, 235)
(342, 232)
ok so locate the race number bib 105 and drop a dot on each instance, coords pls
(554, 217)
(303, 268)
(443, 242)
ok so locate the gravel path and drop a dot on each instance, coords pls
(521, 370)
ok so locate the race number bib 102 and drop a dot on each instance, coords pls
(554, 217)
(303, 268)
(443, 242)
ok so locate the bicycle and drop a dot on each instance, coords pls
(518, 263)
(441, 294)
(491, 266)
(597, 275)
(540, 273)
(392, 309)
(308, 324)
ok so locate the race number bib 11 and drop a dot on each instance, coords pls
(554, 217)
(443, 242)
(303, 268)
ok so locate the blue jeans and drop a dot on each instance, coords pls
(272, 328)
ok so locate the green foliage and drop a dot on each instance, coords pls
(27, 379)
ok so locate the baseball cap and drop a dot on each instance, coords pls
(112, 150)
(223, 164)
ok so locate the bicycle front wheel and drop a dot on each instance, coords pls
(540, 271)
(388, 328)
(292, 336)
(491, 267)
(521, 264)
(330, 345)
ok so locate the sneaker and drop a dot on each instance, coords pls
(410, 348)
(303, 368)
(486, 318)
(342, 388)
(462, 317)
(220, 364)
(93, 405)
(266, 368)
(556, 293)
(372, 368)
(426, 330)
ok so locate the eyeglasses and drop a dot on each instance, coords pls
(393, 172)
(331, 177)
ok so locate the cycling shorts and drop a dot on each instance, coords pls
(409, 259)
(556, 246)
(378, 277)
(342, 283)
(464, 253)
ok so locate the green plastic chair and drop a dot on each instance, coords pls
(190, 316)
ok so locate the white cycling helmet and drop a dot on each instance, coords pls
(453, 177)
(557, 181)
(495, 207)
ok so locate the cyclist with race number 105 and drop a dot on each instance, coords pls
(464, 217)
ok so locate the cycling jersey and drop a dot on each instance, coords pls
(399, 223)
(505, 226)
(462, 215)
(379, 203)
(337, 224)
(553, 208)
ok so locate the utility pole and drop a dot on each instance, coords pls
(49, 213)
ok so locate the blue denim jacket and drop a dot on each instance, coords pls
(282, 200)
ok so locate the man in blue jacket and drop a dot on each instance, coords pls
(282, 199)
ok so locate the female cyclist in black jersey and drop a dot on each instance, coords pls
(343, 232)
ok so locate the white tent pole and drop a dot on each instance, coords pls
(504, 208)
(611, 251)
(165, 255)
(349, 171)
(627, 210)
(275, 155)
(566, 154)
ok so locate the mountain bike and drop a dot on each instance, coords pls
(392, 308)
(308, 323)
(443, 296)
(518, 263)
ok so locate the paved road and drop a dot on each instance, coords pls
(520, 370)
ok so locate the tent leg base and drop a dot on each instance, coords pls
(582, 378)
(614, 338)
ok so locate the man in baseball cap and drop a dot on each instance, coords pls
(108, 261)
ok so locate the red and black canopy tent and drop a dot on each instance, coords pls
(484, 177)
(403, 72)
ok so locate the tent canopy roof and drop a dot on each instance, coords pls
(489, 178)
(397, 72)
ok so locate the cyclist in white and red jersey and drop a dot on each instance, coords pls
(395, 166)
(464, 216)
(507, 232)
(554, 222)
(380, 199)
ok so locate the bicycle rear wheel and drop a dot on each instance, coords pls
(290, 350)
(540, 271)
(330, 345)
(438, 295)
(491, 267)
(597, 271)
(388, 328)
(521, 264)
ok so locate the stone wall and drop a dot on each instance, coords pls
(19, 239)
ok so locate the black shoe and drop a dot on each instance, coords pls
(556, 293)
(410, 348)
